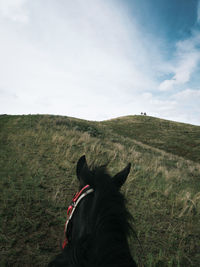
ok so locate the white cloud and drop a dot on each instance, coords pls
(188, 96)
(14, 10)
(167, 84)
(71, 53)
(185, 63)
(187, 107)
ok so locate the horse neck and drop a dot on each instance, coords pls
(109, 233)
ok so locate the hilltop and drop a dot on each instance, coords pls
(177, 138)
(38, 155)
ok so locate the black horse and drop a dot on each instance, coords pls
(97, 226)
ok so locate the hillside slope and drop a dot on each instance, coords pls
(38, 156)
(177, 138)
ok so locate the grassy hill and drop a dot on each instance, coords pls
(177, 138)
(38, 156)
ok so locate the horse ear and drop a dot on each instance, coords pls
(81, 164)
(120, 178)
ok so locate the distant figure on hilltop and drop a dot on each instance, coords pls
(143, 113)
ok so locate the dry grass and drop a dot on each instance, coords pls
(38, 160)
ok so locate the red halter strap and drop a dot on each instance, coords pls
(76, 199)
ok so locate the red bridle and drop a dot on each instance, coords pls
(76, 199)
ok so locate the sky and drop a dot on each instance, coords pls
(101, 59)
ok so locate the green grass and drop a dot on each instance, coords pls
(38, 156)
(176, 138)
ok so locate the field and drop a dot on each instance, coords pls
(38, 155)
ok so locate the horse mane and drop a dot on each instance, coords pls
(112, 219)
(109, 201)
